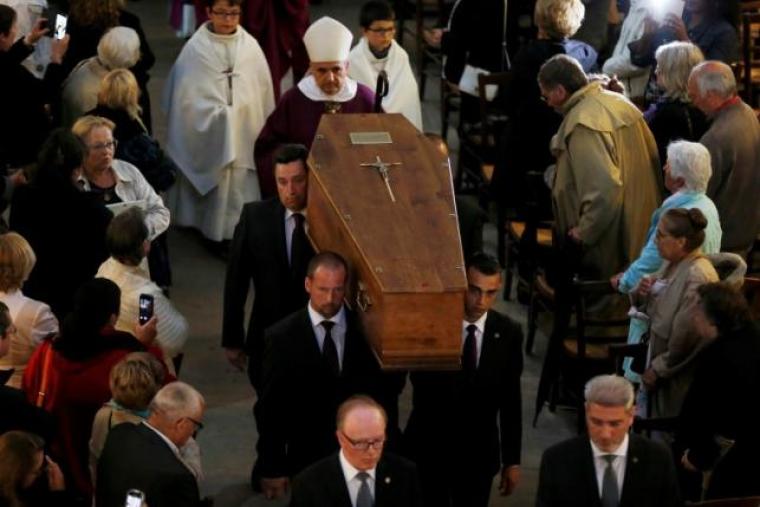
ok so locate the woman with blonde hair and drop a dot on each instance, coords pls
(118, 100)
(673, 116)
(33, 320)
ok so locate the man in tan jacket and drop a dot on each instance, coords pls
(608, 179)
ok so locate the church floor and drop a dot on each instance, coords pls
(228, 438)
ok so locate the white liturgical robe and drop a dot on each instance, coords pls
(403, 94)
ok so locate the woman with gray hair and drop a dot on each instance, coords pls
(119, 48)
(687, 172)
(673, 116)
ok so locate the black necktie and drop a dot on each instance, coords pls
(299, 248)
(364, 497)
(470, 352)
(610, 494)
(329, 351)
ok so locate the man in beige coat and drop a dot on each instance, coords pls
(608, 178)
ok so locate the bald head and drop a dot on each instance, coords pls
(711, 84)
(361, 431)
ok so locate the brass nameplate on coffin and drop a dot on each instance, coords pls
(370, 138)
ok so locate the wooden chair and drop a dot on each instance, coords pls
(753, 501)
(584, 346)
(750, 64)
(477, 141)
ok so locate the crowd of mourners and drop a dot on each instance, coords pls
(622, 125)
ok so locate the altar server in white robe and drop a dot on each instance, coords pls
(217, 98)
(377, 51)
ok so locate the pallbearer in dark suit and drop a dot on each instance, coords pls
(361, 474)
(315, 359)
(609, 467)
(452, 432)
(270, 249)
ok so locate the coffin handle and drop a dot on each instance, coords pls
(363, 301)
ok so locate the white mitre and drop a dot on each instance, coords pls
(328, 40)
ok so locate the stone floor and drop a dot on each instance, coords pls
(229, 436)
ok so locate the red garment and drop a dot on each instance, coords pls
(278, 26)
(75, 391)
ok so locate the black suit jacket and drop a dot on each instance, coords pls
(323, 484)
(16, 413)
(135, 457)
(258, 254)
(462, 410)
(295, 413)
(568, 477)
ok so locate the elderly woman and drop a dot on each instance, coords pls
(119, 48)
(673, 116)
(127, 240)
(115, 181)
(33, 319)
(29, 478)
(134, 381)
(69, 376)
(24, 97)
(89, 21)
(668, 298)
(531, 123)
(53, 211)
(687, 172)
(717, 403)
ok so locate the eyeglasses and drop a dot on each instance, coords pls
(382, 31)
(198, 424)
(226, 14)
(363, 445)
(110, 145)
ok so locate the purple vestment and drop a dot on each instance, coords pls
(295, 120)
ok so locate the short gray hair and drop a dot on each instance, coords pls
(562, 70)
(691, 162)
(177, 400)
(714, 77)
(675, 61)
(609, 391)
(560, 19)
(119, 48)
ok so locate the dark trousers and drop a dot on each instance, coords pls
(447, 486)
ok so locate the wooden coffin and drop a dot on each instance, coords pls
(408, 279)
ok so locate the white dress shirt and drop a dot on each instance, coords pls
(481, 326)
(600, 464)
(352, 481)
(290, 227)
(338, 331)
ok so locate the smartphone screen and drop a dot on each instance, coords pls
(146, 308)
(135, 498)
(60, 26)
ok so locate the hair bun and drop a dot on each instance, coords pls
(697, 219)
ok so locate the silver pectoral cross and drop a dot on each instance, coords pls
(383, 171)
(229, 73)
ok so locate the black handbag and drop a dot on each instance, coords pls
(146, 154)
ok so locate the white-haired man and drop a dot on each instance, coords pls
(147, 456)
(326, 88)
(609, 467)
(733, 140)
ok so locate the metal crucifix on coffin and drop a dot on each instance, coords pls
(383, 170)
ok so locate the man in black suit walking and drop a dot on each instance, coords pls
(270, 249)
(146, 456)
(314, 359)
(452, 432)
(609, 467)
(360, 474)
